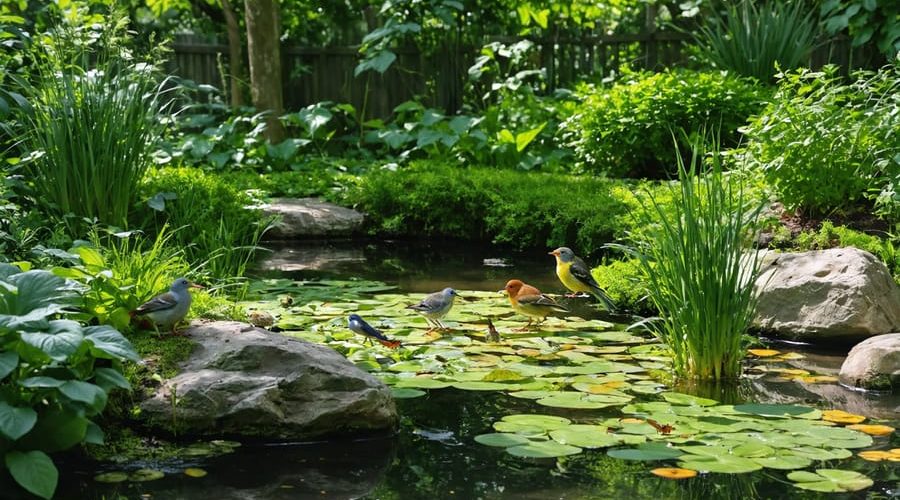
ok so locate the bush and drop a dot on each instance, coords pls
(827, 146)
(524, 210)
(627, 129)
(210, 219)
(621, 279)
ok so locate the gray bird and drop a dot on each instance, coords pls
(435, 306)
(168, 309)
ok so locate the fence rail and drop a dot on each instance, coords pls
(314, 74)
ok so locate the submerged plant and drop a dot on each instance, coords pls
(699, 275)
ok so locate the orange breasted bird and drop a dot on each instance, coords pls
(529, 301)
(576, 276)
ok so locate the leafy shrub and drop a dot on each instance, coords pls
(757, 40)
(825, 145)
(56, 375)
(524, 210)
(866, 21)
(627, 129)
(622, 281)
(212, 221)
(92, 124)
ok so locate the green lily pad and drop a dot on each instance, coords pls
(517, 428)
(783, 461)
(111, 477)
(406, 393)
(532, 394)
(814, 453)
(646, 451)
(476, 385)
(772, 410)
(547, 422)
(571, 400)
(585, 436)
(545, 449)
(142, 475)
(726, 464)
(677, 398)
(830, 480)
(501, 439)
(421, 383)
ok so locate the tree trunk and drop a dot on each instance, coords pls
(235, 55)
(263, 47)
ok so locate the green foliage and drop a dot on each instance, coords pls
(866, 21)
(56, 375)
(694, 264)
(831, 236)
(626, 130)
(436, 199)
(92, 122)
(214, 227)
(818, 128)
(622, 281)
(756, 40)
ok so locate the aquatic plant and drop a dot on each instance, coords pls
(698, 273)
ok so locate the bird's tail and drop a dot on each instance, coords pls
(604, 299)
(390, 344)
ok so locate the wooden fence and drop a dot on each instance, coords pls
(326, 74)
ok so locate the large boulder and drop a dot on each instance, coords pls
(873, 364)
(311, 217)
(246, 381)
(843, 293)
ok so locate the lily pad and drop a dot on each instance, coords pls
(194, 472)
(501, 439)
(142, 475)
(774, 410)
(783, 461)
(725, 464)
(421, 383)
(830, 480)
(873, 430)
(677, 398)
(646, 451)
(545, 449)
(842, 417)
(406, 393)
(111, 477)
(585, 436)
(547, 422)
(674, 473)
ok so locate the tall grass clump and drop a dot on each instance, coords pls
(93, 122)
(698, 274)
(753, 38)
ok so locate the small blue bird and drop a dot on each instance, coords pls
(169, 308)
(435, 306)
(359, 325)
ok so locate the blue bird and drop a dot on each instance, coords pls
(435, 306)
(359, 325)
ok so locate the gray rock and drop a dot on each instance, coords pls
(310, 217)
(843, 293)
(245, 381)
(873, 364)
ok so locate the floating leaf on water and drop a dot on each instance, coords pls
(763, 353)
(753, 449)
(517, 428)
(646, 451)
(774, 410)
(421, 383)
(879, 455)
(503, 375)
(816, 379)
(677, 398)
(841, 417)
(194, 472)
(198, 450)
(791, 356)
(221, 443)
(872, 429)
(485, 386)
(546, 449)
(830, 480)
(548, 422)
(585, 436)
(111, 477)
(141, 475)
(833, 437)
(406, 366)
(501, 439)
(724, 464)
(572, 400)
(814, 453)
(674, 473)
(533, 394)
(784, 461)
(406, 393)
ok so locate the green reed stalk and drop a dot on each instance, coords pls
(93, 123)
(699, 273)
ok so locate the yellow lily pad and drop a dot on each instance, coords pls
(194, 472)
(674, 473)
(873, 430)
(763, 353)
(841, 417)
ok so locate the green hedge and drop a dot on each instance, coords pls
(627, 129)
(525, 210)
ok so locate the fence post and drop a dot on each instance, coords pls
(652, 51)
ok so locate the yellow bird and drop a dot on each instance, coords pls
(576, 276)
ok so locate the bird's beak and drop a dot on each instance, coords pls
(503, 291)
(555, 252)
(194, 285)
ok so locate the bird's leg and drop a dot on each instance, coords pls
(526, 327)
(442, 325)
(571, 295)
(431, 326)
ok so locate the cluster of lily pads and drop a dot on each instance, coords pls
(196, 450)
(578, 366)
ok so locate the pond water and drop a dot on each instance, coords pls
(434, 454)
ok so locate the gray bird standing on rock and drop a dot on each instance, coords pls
(168, 309)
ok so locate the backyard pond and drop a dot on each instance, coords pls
(579, 408)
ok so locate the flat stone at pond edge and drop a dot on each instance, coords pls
(304, 217)
(245, 381)
(843, 293)
(874, 364)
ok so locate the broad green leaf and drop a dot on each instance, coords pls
(109, 343)
(524, 139)
(9, 360)
(543, 449)
(55, 431)
(585, 436)
(646, 451)
(726, 464)
(41, 382)
(406, 393)
(61, 340)
(783, 461)
(830, 480)
(421, 383)
(774, 410)
(16, 422)
(90, 257)
(546, 422)
(94, 434)
(676, 398)
(34, 471)
(84, 392)
(108, 378)
(142, 475)
(501, 439)
(111, 477)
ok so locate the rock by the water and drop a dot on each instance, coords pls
(843, 293)
(245, 381)
(874, 364)
(311, 217)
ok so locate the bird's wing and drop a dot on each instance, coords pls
(432, 302)
(372, 331)
(582, 273)
(159, 303)
(540, 300)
